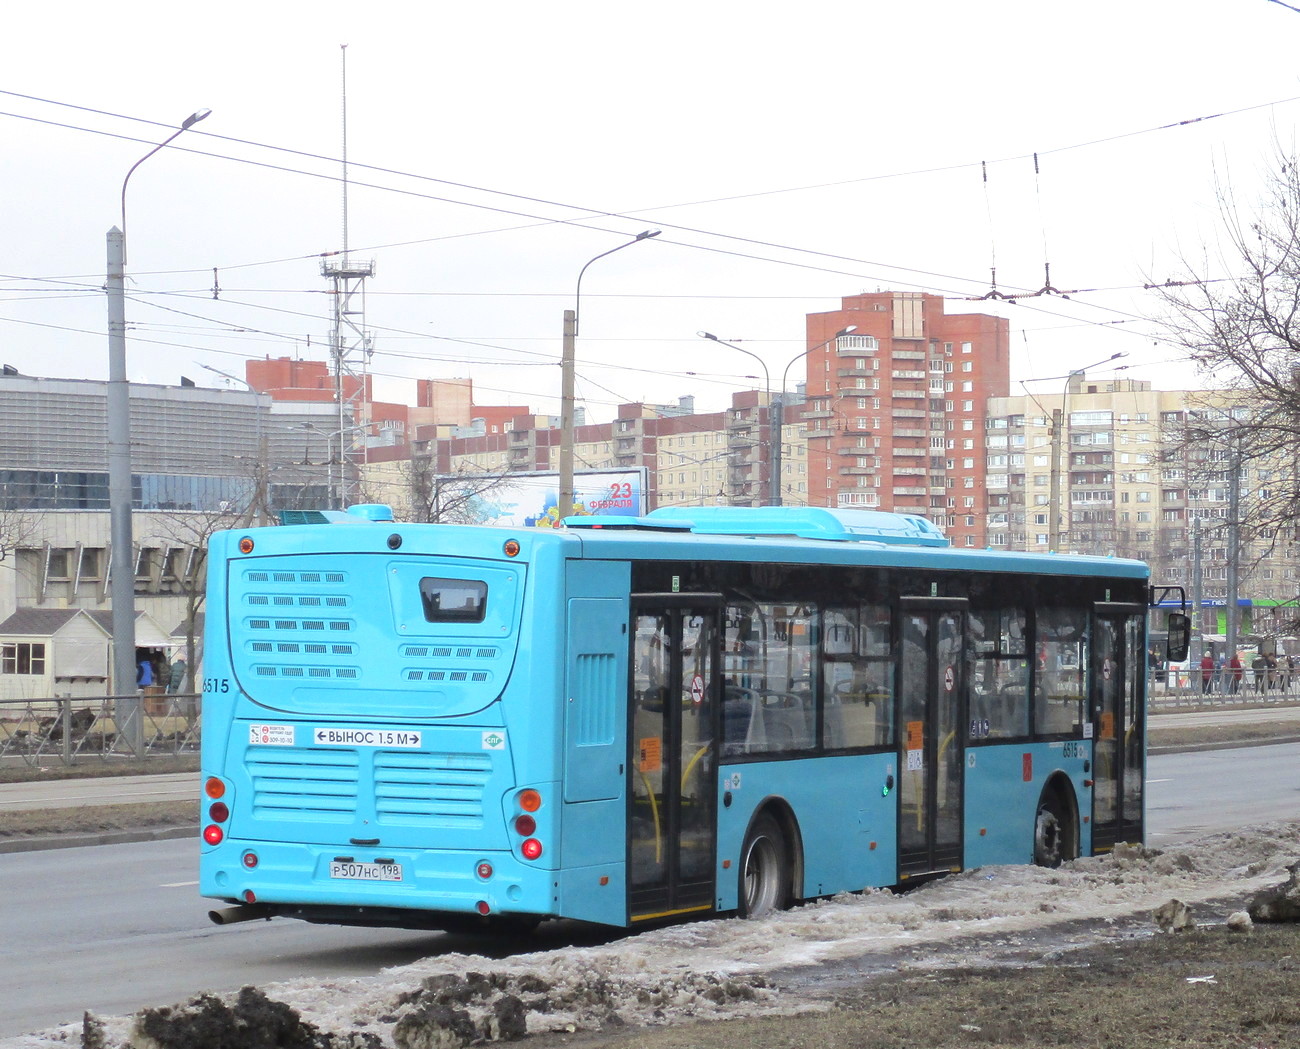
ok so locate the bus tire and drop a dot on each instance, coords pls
(1056, 838)
(764, 869)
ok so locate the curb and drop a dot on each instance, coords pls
(106, 837)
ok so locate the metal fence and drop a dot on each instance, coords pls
(98, 728)
(1222, 686)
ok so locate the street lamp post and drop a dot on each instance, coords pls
(335, 495)
(121, 568)
(565, 499)
(778, 412)
(1059, 418)
(772, 494)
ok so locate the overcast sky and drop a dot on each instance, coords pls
(791, 154)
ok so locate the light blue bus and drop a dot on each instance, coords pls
(706, 710)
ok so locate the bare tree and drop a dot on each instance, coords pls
(17, 529)
(1238, 316)
(456, 498)
(191, 530)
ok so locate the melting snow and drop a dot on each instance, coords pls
(730, 967)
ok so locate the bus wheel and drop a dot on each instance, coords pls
(1054, 836)
(764, 875)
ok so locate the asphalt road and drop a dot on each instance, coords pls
(117, 927)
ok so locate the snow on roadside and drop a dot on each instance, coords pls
(723, 967)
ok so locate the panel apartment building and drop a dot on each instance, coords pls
(1127, 484)
(895, 411)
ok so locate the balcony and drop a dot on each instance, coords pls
(908, 355)
(908, 413)
(908, 375)
(911, 433)
(856, 345)
(909, 491)
(818, 433)
(917, 453)
(914, 395)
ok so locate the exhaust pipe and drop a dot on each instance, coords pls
(245, 913)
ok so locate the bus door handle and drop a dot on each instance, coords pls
(363, 841)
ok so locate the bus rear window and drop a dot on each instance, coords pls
(453, 600)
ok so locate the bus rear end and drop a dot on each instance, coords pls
(358, 764)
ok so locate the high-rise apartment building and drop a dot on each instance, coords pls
(895, 409)
(1104, 467)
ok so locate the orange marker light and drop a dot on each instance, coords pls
(246, 545)
(214, 788)
(511, 548)
(529, 800)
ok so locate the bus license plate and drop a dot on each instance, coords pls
(366, 871)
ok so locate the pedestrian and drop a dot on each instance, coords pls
(176, 680)
(143, 673)
(1207, 673)
(1235, 672)
(1260, 666)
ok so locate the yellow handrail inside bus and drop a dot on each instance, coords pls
(691, 764)
(654, 811)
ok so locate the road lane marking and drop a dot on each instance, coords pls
(177, 884)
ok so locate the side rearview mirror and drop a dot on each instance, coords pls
(1180, 636)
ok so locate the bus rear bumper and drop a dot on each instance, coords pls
(375, 886)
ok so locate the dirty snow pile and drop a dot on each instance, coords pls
(731, 967)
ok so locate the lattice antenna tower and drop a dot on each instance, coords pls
(351, 345)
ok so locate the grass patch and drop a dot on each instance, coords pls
(30, 823)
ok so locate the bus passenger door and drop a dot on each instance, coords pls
(1118, 723)
(930, 739)
(672, 741)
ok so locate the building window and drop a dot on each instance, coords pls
(22, 657)
(965, 347)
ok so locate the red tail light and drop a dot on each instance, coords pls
(218, 812)
(532, 849)
(213, 834)
(525, 825)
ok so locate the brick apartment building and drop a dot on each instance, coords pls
(895, 410)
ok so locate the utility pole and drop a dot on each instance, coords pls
(1234, 512)
(1054, 496)
(1198, 591)
(564, 503)
(776, 421)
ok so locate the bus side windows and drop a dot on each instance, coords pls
(857, 678)
(999, 674)
(1062, 639)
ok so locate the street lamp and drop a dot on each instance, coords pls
(565, 501)
(778, 410)
(336, 496)
(121, 568)
(1058, 418)
(767, 392)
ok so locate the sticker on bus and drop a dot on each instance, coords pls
(364, 737)
(270, 735)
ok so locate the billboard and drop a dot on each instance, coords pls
(528, 500)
